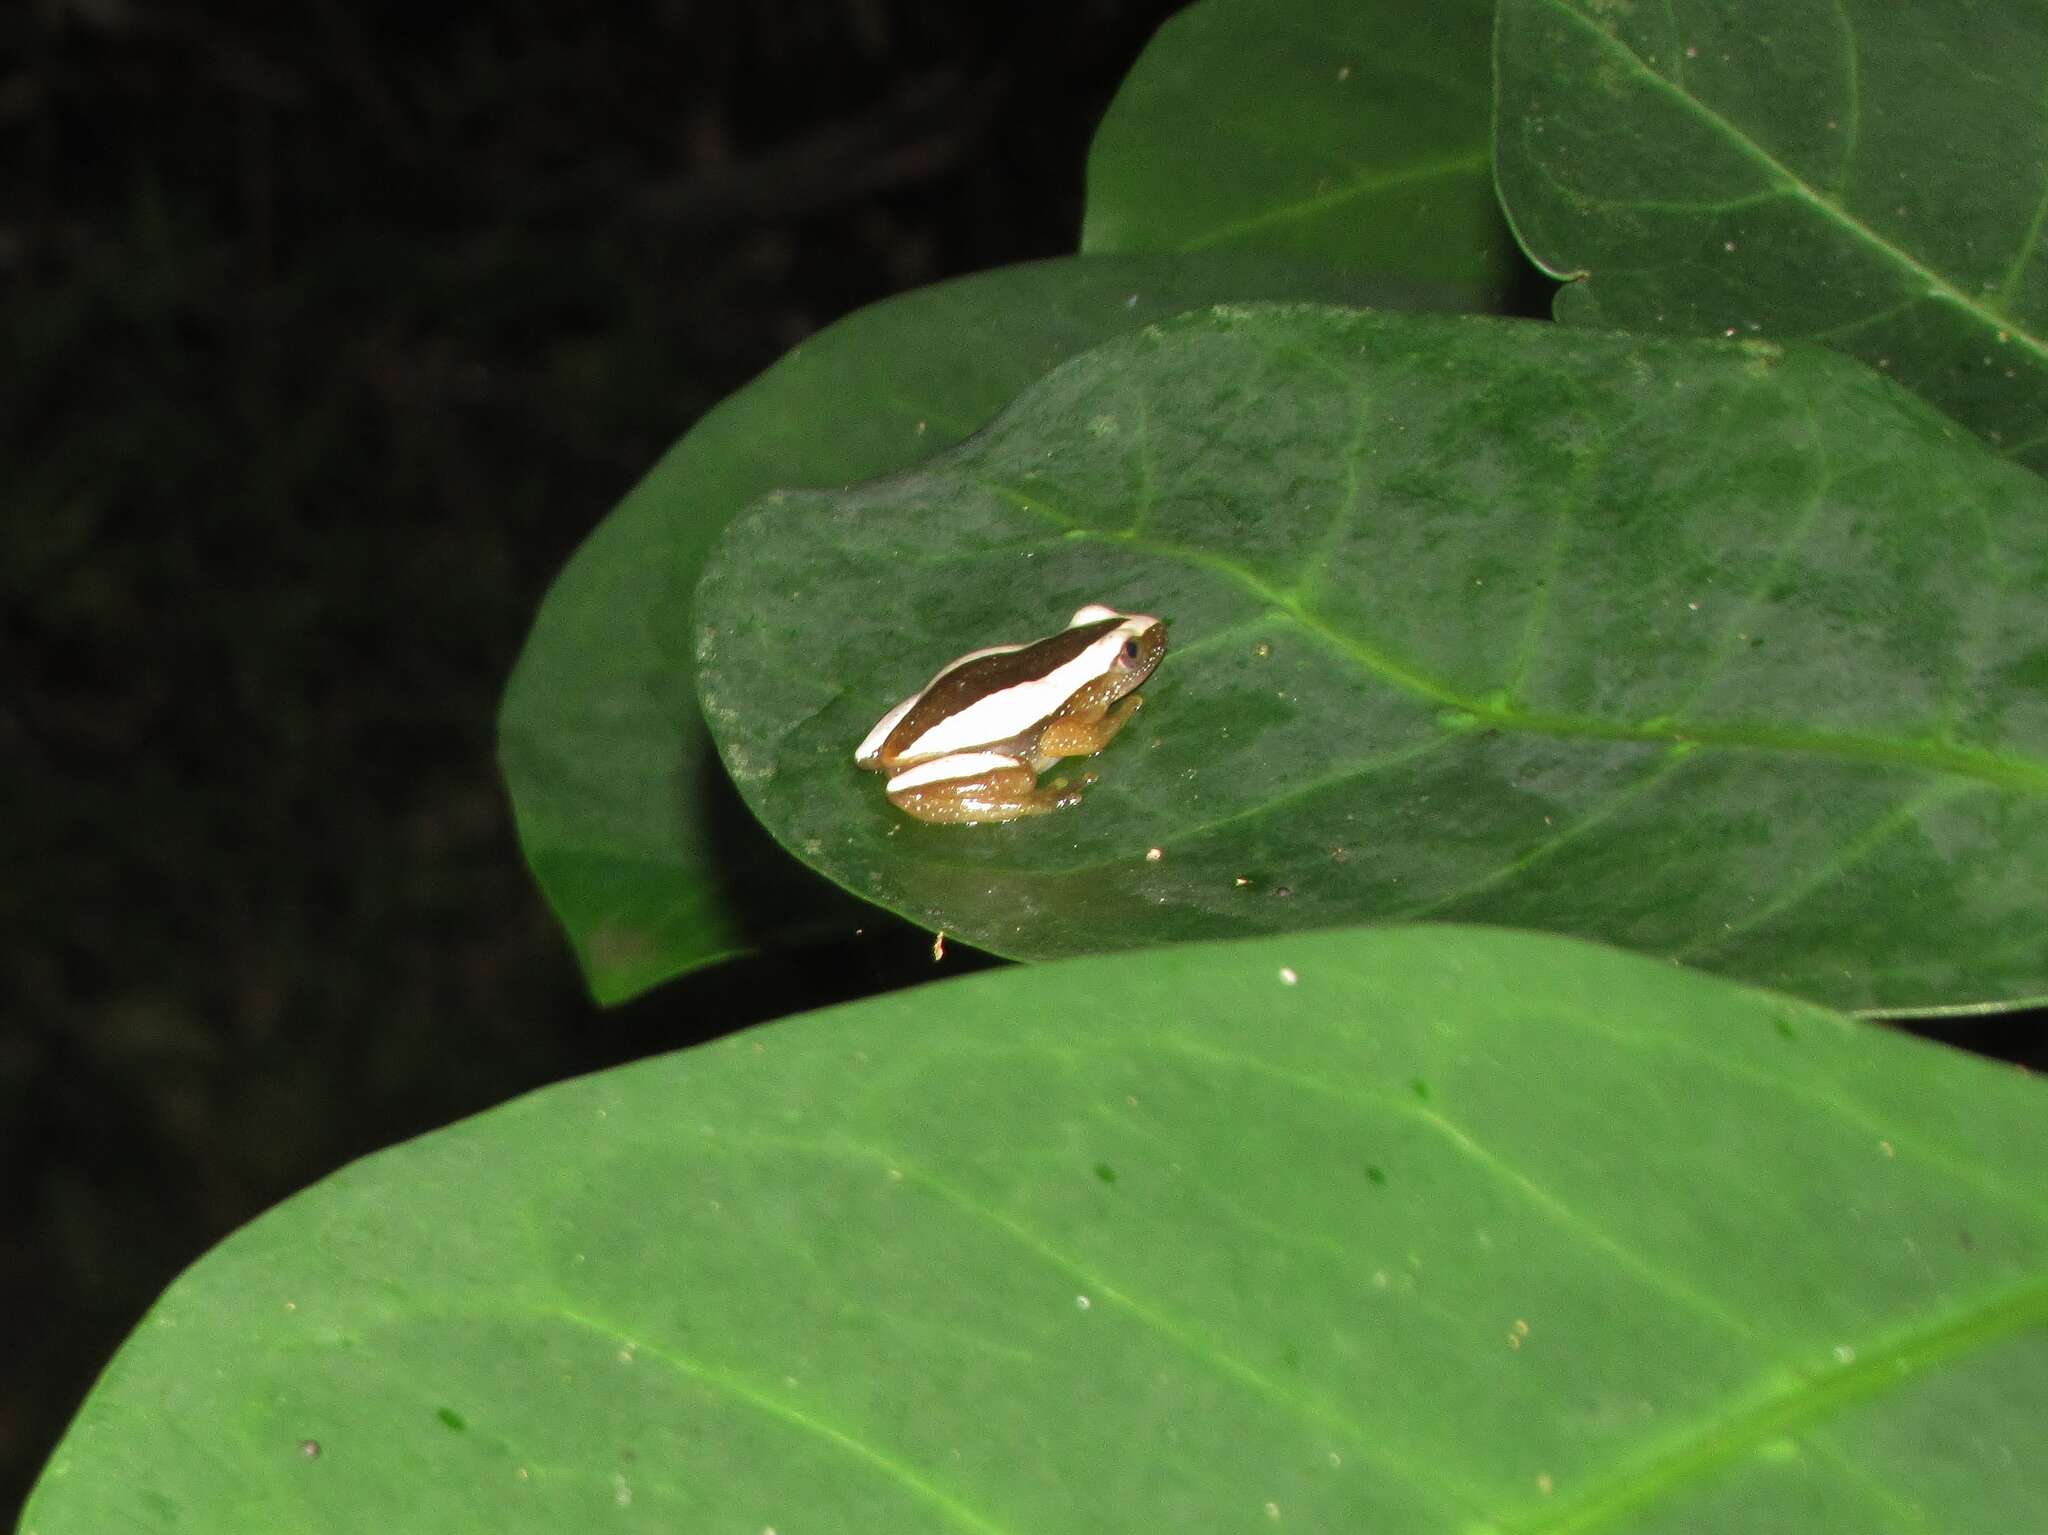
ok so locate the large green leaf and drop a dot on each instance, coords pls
(1719, 651)
(624, 817)
(1419, 1230)
(1351, 131)
(1861, 172)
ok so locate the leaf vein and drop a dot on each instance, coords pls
(1907, 264)
(1811, 1400)
(1845, 857)
(786, 1413)
(1363, 184)
(1551, 845)
(1511, 1177)
(1185, 1338)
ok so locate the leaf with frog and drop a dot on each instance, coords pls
(1726, 652)
(626, 821)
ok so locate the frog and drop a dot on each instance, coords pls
(969, 746)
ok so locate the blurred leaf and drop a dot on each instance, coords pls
(1354, 133)
(625, 820)
(1852, 171)
(1723, 652)
(1414, 1230)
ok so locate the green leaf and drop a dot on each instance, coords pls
(1853, 171)
(1722, 652)
(1355, 133)
(1412, 1230)
(625, 820)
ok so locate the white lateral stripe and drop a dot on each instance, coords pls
(888, 722)
(944, 769)
(1009, 710)
(1095, 613)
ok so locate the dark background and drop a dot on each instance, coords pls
(330, 329)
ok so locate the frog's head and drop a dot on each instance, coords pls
(1129, 648)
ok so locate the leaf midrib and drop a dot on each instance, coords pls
(1494, 712)
(1786, 181)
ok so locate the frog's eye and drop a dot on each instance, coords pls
(1130, 653)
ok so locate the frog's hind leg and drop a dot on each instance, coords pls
(969, 787)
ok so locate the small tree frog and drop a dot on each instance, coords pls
(970, 745)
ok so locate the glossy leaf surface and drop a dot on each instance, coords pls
(1725, 653)
(624, 817)
(1352, 132)
(1406, 1231)
(1853, 171)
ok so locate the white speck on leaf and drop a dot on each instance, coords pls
(1287, 976)
(1082, 1302)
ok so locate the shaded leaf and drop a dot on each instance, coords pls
(1722, 652)
(1414, 1230)
(1354, 133)
(625, 820)
(1852, 171)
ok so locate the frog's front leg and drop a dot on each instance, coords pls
(976, 786)
(1087, 731)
